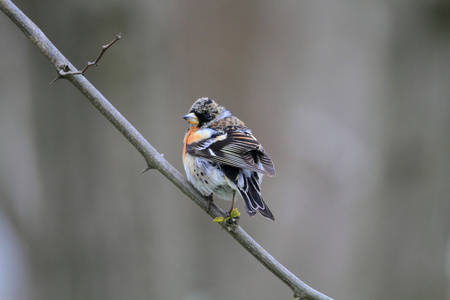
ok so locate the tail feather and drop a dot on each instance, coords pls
(254, 203)
(250, 193)
(249, 187)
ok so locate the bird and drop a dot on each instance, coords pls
(222, 157)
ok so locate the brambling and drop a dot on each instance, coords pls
(221, 157)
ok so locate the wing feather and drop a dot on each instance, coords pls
(237, 149)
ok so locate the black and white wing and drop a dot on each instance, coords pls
(238, 149)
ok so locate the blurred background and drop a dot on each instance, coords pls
(351, 99)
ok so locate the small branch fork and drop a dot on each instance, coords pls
(65, 71)
(152, 157)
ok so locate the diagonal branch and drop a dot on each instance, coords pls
(152, 157)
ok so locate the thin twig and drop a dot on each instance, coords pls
(152, 157)
(95, 62)
(64, 72)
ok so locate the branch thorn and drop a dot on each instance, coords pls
(146, 169)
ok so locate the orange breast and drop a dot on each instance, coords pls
(194, 135)
(188, 138)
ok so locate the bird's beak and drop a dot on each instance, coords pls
(191, 118)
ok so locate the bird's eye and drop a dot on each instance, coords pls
(204, 117)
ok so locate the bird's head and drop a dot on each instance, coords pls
(204, 112)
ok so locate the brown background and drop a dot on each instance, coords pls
(351, 99)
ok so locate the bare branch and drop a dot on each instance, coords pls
(95, 62)
(63, 72)
(152, 157)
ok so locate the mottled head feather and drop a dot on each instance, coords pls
(208, 111)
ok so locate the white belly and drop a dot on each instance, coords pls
(208, 178)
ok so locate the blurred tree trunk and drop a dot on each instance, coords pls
(411, 207)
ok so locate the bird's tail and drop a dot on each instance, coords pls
(248, 184)
(250, 193)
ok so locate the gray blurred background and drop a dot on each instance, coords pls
(351, 99)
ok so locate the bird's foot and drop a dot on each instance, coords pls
(210, 201)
